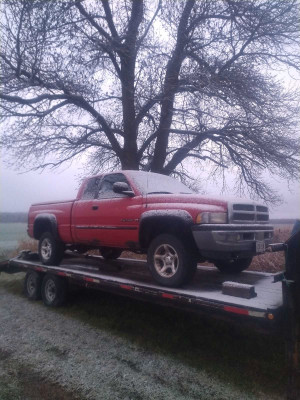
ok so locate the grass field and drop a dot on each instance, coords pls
(252, 362)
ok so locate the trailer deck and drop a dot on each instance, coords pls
(131, 277)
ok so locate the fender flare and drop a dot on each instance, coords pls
(157, 215)
(49, 219)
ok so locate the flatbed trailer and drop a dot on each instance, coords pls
(267, 302)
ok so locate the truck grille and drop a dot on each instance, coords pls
(248, 213)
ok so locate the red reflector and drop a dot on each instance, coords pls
(167, 296)
(61, 273)
(236, 310)
(126, 287)
(39, 269)
(89, 279)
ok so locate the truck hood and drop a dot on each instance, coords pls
(193, 200)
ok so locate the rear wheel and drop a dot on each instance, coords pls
(233, 266)
(110, 253)
(170, 261)
(54, 290)
(51, 251)
(32, 285)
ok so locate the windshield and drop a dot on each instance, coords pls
(151, 183)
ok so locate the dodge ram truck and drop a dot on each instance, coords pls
(156, 215)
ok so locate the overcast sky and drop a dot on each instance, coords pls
(18, 191)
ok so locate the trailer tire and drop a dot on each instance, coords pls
(54, 290)
(51, 251)
(170, 261)
(33, 285)
(110, 253)
(233, 266)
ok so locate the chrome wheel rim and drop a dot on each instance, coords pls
(50, 291)
(46, 249)
(31, 285)
(166, 260)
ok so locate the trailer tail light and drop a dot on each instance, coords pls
(167, 296)
(236, 310)
(126, 287)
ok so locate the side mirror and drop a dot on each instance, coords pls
(123, 188)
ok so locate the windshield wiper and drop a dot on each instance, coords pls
(159, 193)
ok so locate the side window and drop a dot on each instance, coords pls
(106, 186)
(91, 188)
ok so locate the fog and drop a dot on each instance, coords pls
(19, 190)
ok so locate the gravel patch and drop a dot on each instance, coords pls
(96, 363)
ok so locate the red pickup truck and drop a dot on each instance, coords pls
(154, 214)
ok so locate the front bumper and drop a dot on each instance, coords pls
(230, 240)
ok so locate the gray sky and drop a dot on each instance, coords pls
(18, 191)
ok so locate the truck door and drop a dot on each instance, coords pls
(111, 219)
(116, 214)
(83, 213)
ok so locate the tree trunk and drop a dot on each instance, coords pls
(128, 60)
(170, 87)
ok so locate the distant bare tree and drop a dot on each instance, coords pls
(153, 85)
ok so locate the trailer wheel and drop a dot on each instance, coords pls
(54, 290)
(110, 253)
(51, 251)
(170, 261)
(32, 285)
(233, 266)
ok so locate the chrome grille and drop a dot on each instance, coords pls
(248, 213)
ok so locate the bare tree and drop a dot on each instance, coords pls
(152, 85)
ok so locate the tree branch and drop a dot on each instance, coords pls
(109, 19)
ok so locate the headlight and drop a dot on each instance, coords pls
(211, 218)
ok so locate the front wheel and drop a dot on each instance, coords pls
(233, 266)
(51, 251)
(170, 261)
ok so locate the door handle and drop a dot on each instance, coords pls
(94, 207)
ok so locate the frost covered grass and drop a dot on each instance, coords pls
(19, 381)
(230, 355)
(233, 355)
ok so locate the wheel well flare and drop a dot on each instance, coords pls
(155, 223)
(44, 223)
